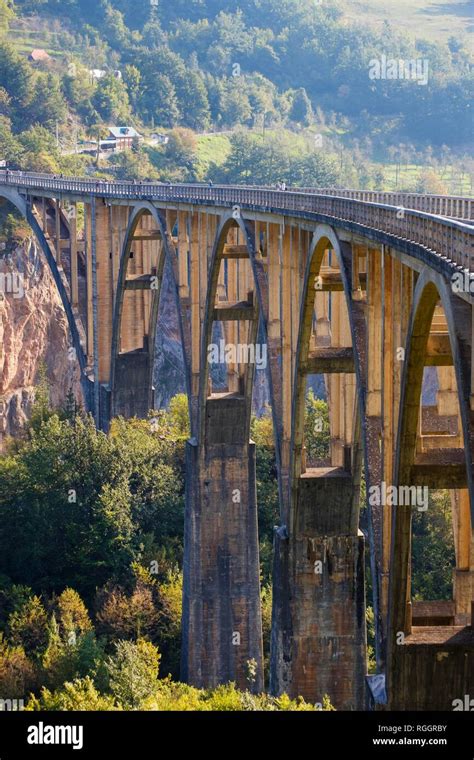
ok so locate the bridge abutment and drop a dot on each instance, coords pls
(222, 622)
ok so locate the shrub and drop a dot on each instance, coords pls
(17, 674)
(128, 617)
(133, 672)
(81, 694)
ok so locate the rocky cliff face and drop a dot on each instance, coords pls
(33, 329)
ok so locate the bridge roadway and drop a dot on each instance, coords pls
(373, 291)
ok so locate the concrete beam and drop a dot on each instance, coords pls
(438, 351)
(140, 282)
(235, 252)
(440, 468)
(325, 361)
(232, 312)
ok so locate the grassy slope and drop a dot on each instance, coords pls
(215, 148)
(27, 33)
(212, 149)
(430, 19)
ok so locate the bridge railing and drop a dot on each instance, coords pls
(456, 206)
(448, 238)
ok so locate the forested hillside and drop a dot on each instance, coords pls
(182, 61)
(298, 66)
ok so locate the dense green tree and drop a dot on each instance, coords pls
(66, 659)
(72, 615)
(433, 549)
(82, 694)
(79, 89)
(133, 165)
(40, 152)
(111, 100)
(313, 169)
(15, 75)
(7, 14)
(47, 106)
(267, 488)
(27, 626)
(133, 672)
(301, 110)
(253, 160)
(192, 94)
(17, 673)
(10, 147)
(132, 78)
(79, 694)
(316, 429)
(235, 108)
(76, 527)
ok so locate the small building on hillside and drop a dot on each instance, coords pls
(96, 74)
(159, 139)
(38, 55)
(124, 137)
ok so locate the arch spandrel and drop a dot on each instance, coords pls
(247, 231)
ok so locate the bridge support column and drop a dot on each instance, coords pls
(328, 653)
(222, 625)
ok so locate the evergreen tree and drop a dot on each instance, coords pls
(301, 110)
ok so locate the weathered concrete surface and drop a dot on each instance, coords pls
(434, 667)
(132, 390)
(222, 624)
(463, 591)
(327, 593)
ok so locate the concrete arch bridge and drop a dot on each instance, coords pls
(373, 291)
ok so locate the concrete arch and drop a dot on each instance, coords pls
(324, 237)
(24, 208)
(167, 255)
(261, 287)
(431, 287)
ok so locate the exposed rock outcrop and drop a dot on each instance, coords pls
(33, 329)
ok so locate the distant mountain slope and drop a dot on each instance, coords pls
(431, 19)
